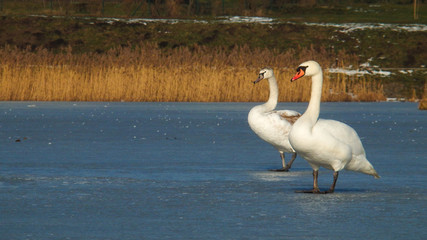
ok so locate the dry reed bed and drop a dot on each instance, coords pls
(148, 73)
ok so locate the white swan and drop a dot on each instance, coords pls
(326, 143)
(273, 126)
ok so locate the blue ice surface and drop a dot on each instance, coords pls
(75, 170)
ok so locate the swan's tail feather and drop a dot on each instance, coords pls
(371, 171)
(376, 176)
(362, 165)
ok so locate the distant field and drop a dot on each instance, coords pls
(384, 45)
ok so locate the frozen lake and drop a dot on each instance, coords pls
(196, 171)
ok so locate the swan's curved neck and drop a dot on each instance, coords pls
(313, 109)
(271, 104)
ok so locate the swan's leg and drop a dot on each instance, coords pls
(283, 169)
(332, 189)
(289, 165)
(282, 156)
(315, 184)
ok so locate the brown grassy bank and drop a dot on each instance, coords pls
(149, 73)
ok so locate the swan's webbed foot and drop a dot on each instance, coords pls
(314, 191)
(283, 169)
(330, 191)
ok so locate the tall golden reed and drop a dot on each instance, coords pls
(148, 73)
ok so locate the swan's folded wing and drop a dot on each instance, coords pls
(289, 115)
(344, 133)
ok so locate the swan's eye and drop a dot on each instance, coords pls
(303, 68)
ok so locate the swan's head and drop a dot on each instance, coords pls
(265, 73)
(309, 68)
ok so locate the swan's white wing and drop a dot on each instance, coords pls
(274, 129)
(343, 133)
(277, 123)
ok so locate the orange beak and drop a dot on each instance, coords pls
(300, 73)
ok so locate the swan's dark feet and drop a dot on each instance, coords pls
(314, 191)
(285, 169)
(330, 191)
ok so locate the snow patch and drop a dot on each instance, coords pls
(344, 27)
(350, 27)
(359, 72)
